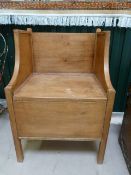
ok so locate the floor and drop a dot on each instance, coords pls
(59, 158)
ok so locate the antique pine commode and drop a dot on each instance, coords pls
(61, 88)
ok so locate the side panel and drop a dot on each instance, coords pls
(23, 56)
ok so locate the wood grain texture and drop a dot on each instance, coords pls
(67, 119)
(101, 69)
(17, 141)
(101, 59)
(63, 52)
(23, 58)
(23, 67)
(61, 86)
(46, 103)
(106, 125)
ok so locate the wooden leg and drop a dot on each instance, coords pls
(106, 124)
(18, 149)
(101, 152)
(17, 141)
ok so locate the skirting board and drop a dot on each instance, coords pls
(117, 117)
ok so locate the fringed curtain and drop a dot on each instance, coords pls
(107, 20)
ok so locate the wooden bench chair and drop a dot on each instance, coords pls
(61, 88)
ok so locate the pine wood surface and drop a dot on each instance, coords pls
(61, 86)
(50, 98)
(62, 120)
(63, 52)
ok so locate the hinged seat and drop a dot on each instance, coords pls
(61, 86)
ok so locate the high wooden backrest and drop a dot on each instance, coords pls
(63, 52)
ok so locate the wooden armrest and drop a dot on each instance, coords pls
(101, 60)
(23, 59)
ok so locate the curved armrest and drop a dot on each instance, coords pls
(101, 60)
(23, 59)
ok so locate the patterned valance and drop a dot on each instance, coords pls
(65, 4)
(65, 18)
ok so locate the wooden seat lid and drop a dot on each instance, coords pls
(58, 86)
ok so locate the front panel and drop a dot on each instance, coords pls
(60, 120)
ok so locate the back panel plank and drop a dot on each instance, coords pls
(63, 52)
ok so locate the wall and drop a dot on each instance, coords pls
(120, 56)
